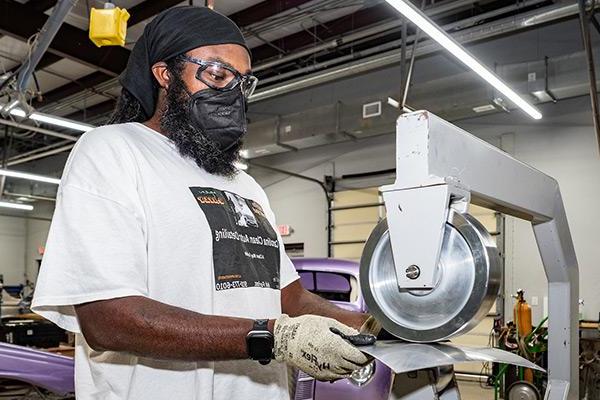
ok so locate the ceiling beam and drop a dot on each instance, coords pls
(41, 5)
(327, 30)
(139, 13)
(70, 42)
(93, 111)
(83, 83)
(46, 60)
(262, 10)
(148, 9)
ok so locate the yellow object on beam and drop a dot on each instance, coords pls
(108, 26)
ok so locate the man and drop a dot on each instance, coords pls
(169, 294)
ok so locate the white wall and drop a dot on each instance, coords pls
(563, 145)
(20, 237)
(37, 233)
(12, 249)
(566, 150)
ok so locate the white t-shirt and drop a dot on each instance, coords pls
(135, 218)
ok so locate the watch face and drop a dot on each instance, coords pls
(260, 345)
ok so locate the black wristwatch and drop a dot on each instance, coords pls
(260, 342)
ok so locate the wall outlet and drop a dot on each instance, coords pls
(534, 300)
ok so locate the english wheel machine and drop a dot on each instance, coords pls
(431, 271)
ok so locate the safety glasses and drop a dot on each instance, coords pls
(221, 77)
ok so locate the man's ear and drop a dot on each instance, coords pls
(161, 74)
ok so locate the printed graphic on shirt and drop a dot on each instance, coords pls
(245, 245)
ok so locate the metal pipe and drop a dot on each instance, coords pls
(344, 242)
(295, 175)
(472, 376)
(587, 45)
(30, 196)
(331, 44)
(40, 155)
(384, 47)
(503, 26)
(295, 15)
(39, 150)
(7, 146)
(403, 36)
(393, 44)
(411, 65)
(46, 35)
(25, 217)
(356, 206)
(410, 69)
(47, 132)
(433, 11)
(307, 178)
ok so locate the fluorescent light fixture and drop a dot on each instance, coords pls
(17, 112)
(28, 176)
(11, 106)
(52, 120)
(431, 29)
(16, 206)
(240, 165)
(393, 102)
(484, 108)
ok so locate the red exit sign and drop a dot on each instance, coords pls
(285, 230)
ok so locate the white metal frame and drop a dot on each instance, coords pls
(440, 166)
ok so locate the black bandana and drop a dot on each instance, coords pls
(174, 32)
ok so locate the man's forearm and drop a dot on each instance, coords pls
(296, 301)
(148, 328)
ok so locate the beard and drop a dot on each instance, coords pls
(190, 141)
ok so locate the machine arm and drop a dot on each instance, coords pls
(439, 167)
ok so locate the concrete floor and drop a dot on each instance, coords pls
(473, 391)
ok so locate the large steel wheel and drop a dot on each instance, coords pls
(467, 283)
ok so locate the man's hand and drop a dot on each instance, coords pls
(308, 344)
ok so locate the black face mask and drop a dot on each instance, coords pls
(220, 116)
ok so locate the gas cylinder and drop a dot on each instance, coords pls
(522, 318)
(522, 315)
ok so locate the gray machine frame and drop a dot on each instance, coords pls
(440, 166)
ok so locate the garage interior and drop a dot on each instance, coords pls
(334, 77)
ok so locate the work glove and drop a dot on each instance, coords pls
(310, 344)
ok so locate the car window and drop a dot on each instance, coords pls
(329, 285)
(307, 280)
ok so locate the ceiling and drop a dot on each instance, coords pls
(287, 37)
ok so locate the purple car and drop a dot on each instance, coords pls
(24, 371)
(337, 281)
